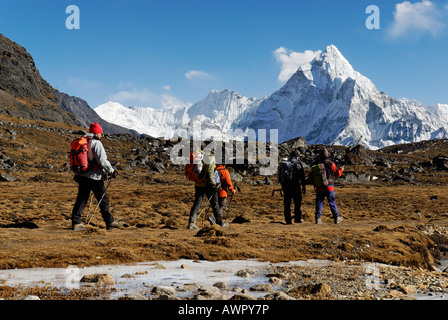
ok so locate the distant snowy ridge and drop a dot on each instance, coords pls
(325, 101)
(215, 115)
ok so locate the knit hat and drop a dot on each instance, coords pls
(95, 128)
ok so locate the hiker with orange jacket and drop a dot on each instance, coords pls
(323, 192)
(226, 187)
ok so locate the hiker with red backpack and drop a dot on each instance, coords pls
(322, 176)
(90, 177)
(292, 180)
(201, 170)
(226, 187)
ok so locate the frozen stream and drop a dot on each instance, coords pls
(142, 277)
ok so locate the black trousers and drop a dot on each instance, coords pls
(292, 194)
(210, 193)
(85, 186)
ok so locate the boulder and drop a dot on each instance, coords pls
(245, 273)
(100, 278)
(160, 290)
(261, 287)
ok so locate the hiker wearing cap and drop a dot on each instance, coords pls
(92, 180)
(327, 190)
(292, 180)
(205, 187)
(226, 187)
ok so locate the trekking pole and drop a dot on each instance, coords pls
(207, 205)
(99, 202)
(90, 205)
(230, 202)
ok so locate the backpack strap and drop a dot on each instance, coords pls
(93, 164)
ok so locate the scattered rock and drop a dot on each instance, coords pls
(100, 278)
(222, 285)
(319, 289)
(242, 296)
(275, 281)
(278, 296)
(163, 290)
(133, 296)
(209, 291)
(245, 273)
(7, 178)
(261, 287)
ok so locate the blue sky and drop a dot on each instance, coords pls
(154, 53)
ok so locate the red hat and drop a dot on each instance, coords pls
(95, 128)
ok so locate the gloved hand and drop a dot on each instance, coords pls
(114, 174)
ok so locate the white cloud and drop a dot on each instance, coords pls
(417, 18)
(292, 60)
(167, 88)
(197, 74)
(137, 96)
(168, 101)
(130, 96)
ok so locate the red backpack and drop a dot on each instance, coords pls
(191, 169)
(79, 161)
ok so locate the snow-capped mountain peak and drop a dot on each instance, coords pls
(325, 101)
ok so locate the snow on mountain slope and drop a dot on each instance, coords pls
(154, 122)
(325, 101)
(328, 102)
(213, 115)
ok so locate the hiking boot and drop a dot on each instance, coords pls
(114, 224)
(338, 220)
(78, 227)
(318, 221)
(193, 226)
(225, 225)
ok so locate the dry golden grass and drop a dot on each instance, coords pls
(384, 222)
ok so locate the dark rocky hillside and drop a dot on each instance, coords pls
(85, 114)
(23, 92)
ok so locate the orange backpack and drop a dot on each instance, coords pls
(79, 161)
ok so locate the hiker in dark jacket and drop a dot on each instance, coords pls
(293, 189)
(328, 191)
(92, 180)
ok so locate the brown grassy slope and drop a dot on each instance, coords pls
(390, 222)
